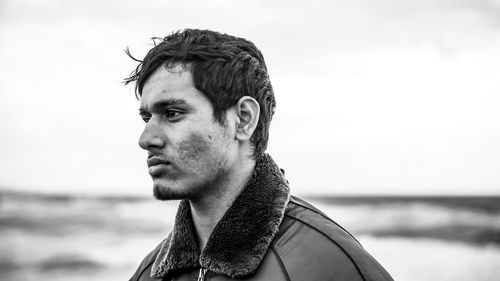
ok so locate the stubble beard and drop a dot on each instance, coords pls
(200, 175)
(170, 189)
(164, 194)
(167, 193)
(191, 191)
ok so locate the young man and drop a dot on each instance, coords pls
(207, 103)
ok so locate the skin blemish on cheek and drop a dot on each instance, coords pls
(193, 147)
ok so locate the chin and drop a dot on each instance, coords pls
(168, 192)
(165, 194)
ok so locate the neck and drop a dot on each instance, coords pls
(207, 211)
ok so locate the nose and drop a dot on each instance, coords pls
(151, 137)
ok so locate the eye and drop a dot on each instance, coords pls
(145, 118)
(173, 113)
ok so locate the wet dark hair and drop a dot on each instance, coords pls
(224, 68)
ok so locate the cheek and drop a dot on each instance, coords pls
(194, 147)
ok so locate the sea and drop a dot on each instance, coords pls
(423, 238)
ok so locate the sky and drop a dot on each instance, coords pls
(373, 97)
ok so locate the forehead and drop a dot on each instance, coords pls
(174, 83)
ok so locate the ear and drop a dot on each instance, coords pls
(248, 111)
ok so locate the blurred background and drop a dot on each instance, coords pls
(387, 119)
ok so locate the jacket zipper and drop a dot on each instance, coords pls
(201, 275)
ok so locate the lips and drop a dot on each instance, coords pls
(153, 161)
(158, 166)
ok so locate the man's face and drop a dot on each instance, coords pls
(190, 154)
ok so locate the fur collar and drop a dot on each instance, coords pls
(240, 239)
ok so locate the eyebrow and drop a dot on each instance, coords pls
(159, 106)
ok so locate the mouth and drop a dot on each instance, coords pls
(154, 161)
(158, 166)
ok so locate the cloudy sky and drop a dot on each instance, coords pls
(374, 97)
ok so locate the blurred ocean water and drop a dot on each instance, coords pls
(101, 238)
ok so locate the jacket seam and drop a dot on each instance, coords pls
(280, 261)
(326, 217)
(335, 242)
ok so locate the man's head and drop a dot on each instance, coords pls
(207, 103)
(224, 68)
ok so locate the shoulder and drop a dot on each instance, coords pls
(143, 271)
(312, 246)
